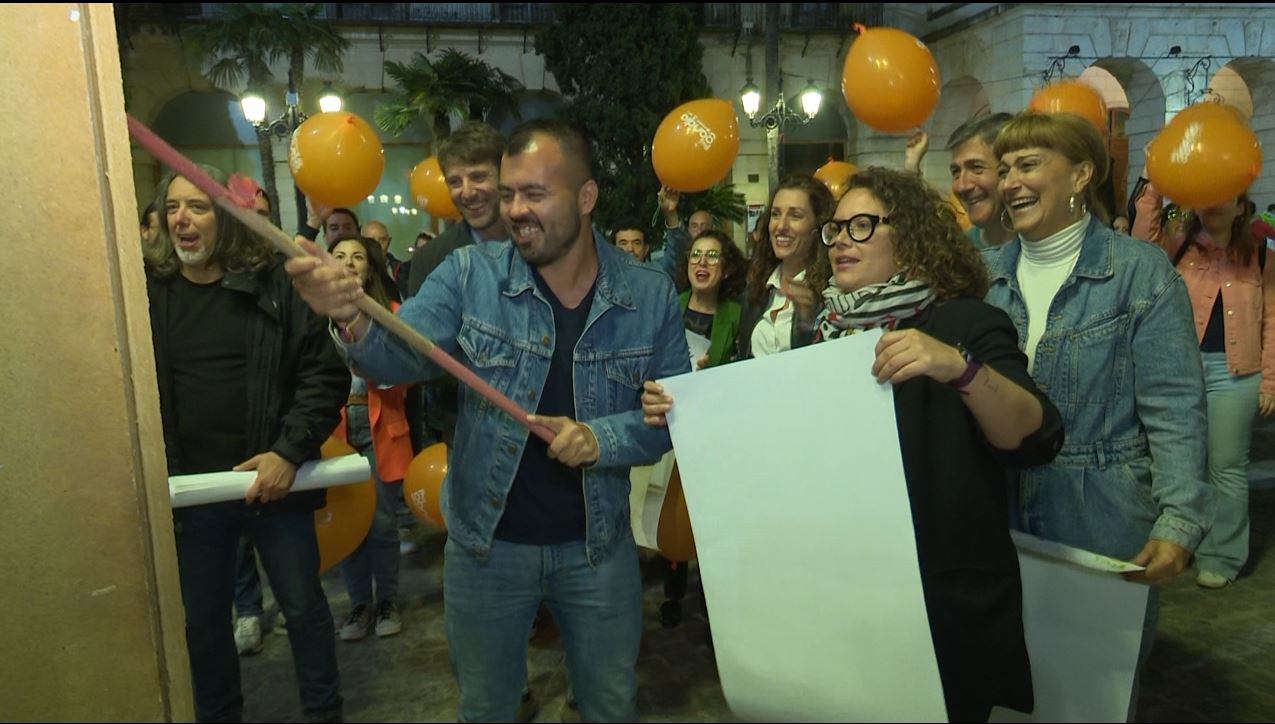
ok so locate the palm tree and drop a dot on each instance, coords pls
(454, 84)
(242, 44)
(722, 201)
(249, 37)
(306, 35)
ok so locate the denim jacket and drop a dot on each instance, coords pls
(482, 306)
(1120, 360)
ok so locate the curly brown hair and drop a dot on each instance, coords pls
(928, 242)
(764, 259)
(734, 266)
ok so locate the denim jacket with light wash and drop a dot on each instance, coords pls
(1120, 360)
(482, 307)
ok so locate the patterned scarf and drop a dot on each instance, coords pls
(876, 305)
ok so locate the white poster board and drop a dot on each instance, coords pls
(805, 542)
(1083, 623)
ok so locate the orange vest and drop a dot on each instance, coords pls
(391, 435)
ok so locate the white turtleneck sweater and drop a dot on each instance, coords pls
(1042, 268)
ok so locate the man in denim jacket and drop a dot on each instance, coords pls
(570, 328)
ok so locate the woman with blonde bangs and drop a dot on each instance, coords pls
(1106, 324)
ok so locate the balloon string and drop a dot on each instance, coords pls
(277, 237)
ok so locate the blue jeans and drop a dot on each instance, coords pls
(489, 608)
(207, 542)
(1232, 406)
(376, 558)
(248, 599)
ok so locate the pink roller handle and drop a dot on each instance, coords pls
(284, 243)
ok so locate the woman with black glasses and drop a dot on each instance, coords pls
(966, 409)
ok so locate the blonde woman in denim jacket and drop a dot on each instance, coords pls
(1106, 325)
(1232, 292)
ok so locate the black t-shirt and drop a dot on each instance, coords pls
(698, 322)
(1215, 333)
(208, 332)
(546, 503)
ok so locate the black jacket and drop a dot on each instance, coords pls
(427, 258)
(297, 385)
(958, 490)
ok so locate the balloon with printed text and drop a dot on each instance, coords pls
(423, 485)
(696, 145)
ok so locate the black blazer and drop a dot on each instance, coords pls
(958, 489)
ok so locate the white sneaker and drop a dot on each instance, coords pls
(358, 623)
(1209, 579)
(248, 636)
(407, 545)
(388, 621)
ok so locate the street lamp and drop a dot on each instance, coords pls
(254, 111)
(780, 115)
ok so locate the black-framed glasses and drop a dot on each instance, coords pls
(712, 257)
(860, 228)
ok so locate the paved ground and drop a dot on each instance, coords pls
(1214, 658)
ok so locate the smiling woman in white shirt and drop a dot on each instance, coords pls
(778, 308)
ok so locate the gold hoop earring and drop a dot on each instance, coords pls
(1071, 205)
(1006, 223)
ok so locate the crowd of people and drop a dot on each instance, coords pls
(1100, 389)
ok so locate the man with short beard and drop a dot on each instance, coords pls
(566, 325)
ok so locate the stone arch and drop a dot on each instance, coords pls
(1144, 101)
(207, 127)
(961, 99)
(1249, 85)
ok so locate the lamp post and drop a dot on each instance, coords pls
(254, 111)
(779, 116)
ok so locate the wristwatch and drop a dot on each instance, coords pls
(972, 366)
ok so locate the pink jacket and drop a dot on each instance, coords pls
(1248, 293)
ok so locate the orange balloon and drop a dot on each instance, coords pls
(890, 80)
(423, 486)
(1072, 96)
(430, 192)
(343, 523)
(336, 159)
(1206, 156)
(675, 537)
(836, 176)
(696, 145)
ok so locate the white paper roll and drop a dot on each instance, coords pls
(187, 490)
